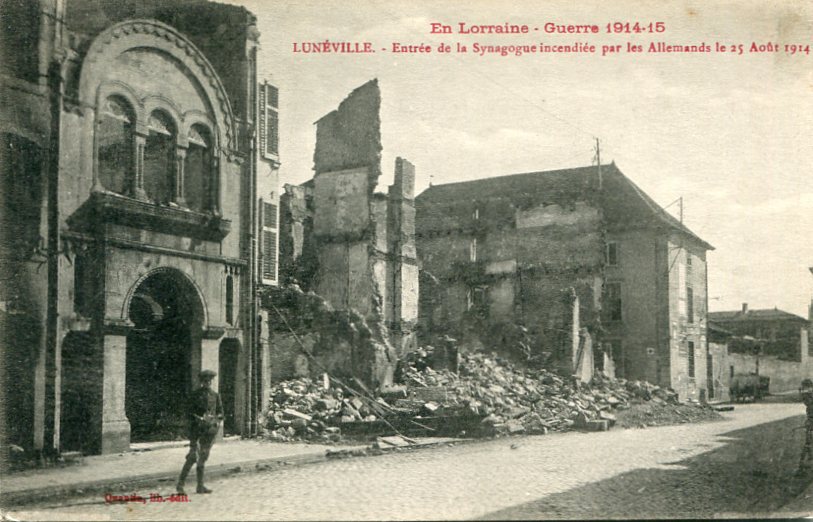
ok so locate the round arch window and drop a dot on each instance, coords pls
(114, 135)
(198, 170)
(159, 158)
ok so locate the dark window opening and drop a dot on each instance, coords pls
(82, 290)
(114, 135)
(612, 253)
(198, 170)
(612, 302)
(159, 159)
(230, 300)
(691, 359)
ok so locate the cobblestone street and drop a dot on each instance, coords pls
(742, 465)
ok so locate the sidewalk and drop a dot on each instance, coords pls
(160, 464)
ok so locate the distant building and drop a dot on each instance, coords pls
(512, 250)
(132, 190)
(779, 333)
(771, 342)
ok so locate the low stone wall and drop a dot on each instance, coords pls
(785, 375)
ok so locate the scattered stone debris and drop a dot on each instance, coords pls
(488, 396)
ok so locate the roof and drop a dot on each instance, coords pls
(624, 203)
(768, 314)
(547, 183)
(714, 327)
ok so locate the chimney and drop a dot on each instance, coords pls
(745, 308)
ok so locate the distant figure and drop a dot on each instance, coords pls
(205, 415)
(807, 452)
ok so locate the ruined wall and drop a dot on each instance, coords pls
(340, 342)
(353, 247)
(402, 255)
(523, 259)
(350, 137)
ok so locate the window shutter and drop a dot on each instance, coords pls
(269, 120)
(268, 242)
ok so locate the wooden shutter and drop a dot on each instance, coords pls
(268, 242)
(269, 121)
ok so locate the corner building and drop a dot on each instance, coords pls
(134, 174)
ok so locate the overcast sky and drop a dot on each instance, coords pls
(732, 134)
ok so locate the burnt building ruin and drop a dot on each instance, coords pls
(522, 249)
(349, 244)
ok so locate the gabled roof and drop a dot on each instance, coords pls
(768, 314)
(624, 203)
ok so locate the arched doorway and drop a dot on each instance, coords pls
(167, 314)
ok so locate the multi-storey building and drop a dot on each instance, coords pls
(512, 249)
(138, 152)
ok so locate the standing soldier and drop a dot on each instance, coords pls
(807, 398)
(205, 414)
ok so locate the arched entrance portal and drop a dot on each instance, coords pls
(167, 314)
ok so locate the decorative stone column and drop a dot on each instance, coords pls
(138, 175)
(115, 425)
(180, 160)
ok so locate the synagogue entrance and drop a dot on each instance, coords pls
(167, 314)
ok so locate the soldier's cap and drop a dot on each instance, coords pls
(207, 374)
(807, 383)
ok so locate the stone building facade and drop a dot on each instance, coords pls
(133, 176)
(516, 250)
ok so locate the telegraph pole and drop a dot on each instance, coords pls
(598, 161)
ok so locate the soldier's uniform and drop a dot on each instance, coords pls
(205, 414)
(807, 399)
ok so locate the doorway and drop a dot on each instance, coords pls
(166, 311)
(227, 378)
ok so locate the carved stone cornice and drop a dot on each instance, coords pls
(106, 207)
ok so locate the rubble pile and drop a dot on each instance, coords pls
(304, 409)
(512, 400)
(490, 394)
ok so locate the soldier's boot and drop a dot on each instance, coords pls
(201, 487)
(182, 478)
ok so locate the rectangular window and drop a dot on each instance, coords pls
(689, 304)
(612, 302)
(691, 359)
(612, 253)
(473, 250)
(269, 120)
(477, 299)
(268, 242)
